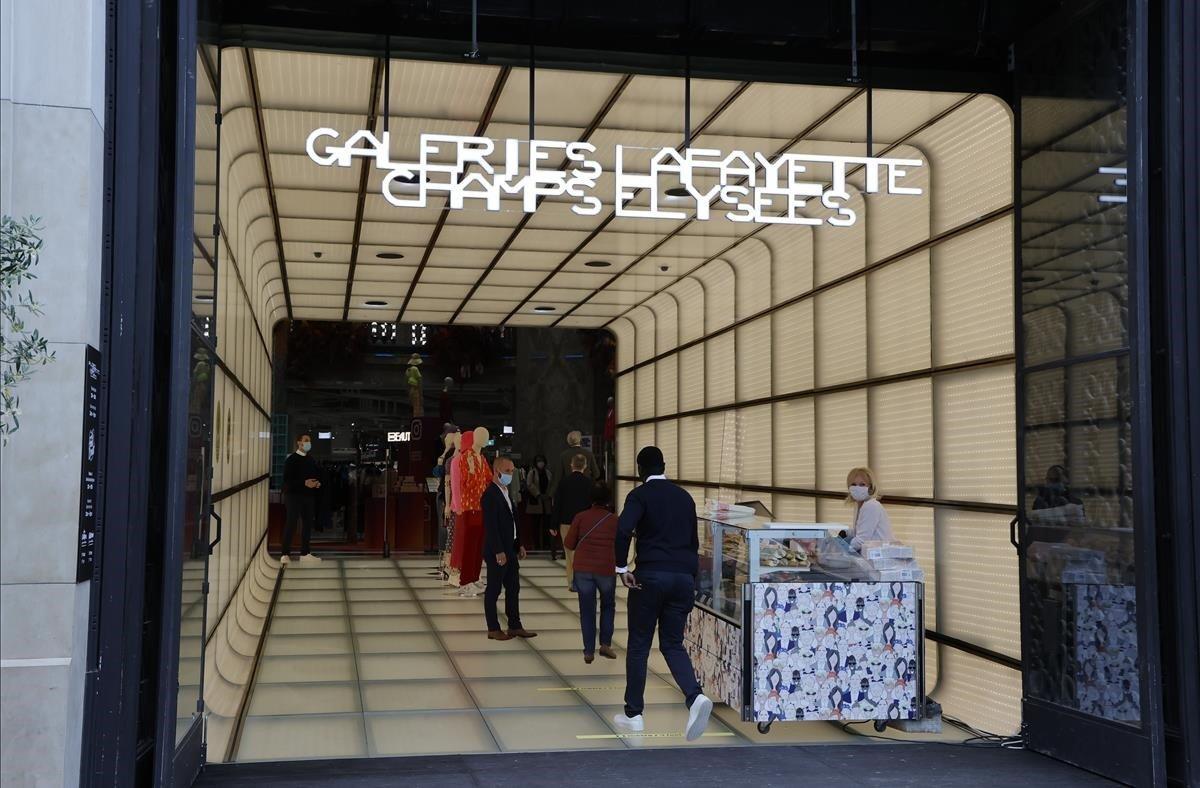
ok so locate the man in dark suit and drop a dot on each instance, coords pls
(662, 516)
(502, 551)
(574, 496)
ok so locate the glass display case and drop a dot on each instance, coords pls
(735, 551)
(792, 625)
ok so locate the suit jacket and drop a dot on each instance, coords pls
(591, 470)
(499, 525)
(574, 496)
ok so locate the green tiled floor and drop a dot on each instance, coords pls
(370, 658)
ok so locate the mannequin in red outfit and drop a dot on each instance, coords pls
(475, 475)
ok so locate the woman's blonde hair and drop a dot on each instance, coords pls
(872, 485)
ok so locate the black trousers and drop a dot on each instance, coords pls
(507, 577)
(299, 507)
(664, 600)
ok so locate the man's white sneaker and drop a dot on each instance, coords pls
(633, 724)
(698, 717)
(284, 560)
(309, 558)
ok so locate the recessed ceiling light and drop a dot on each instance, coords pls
(543, 309)
(1031, 278)
(204, 297)
(678, 191)
(375, 302)
(598, 264)
(390, 256)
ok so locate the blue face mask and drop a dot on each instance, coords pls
(506, 479)
(306, 447)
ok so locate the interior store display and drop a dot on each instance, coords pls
(470, 475)
(413, 378)
(791, 624)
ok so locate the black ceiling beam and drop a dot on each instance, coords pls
(734, 95)
(252, 80)
(484, 121)
(372, 119)
(782, 150)
(587, 133)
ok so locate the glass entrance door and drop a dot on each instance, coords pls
(1085, 533)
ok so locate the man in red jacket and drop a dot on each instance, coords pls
(592, 536)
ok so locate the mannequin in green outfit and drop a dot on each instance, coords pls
(414, 386)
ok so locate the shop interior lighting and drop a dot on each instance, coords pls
(390, 256)
(324, 436)
(598, 264)
(543, 308)
(204, 298)
(419, 334)
(375, 302)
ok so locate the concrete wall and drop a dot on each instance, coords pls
(51, 165)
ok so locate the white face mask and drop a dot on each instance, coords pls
(860, 492)
(306, 447)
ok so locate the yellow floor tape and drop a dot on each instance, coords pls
(645, 735)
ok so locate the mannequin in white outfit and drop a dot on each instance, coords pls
(871, 523)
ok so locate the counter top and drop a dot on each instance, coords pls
(758, 523)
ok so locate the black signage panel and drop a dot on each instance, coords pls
(89, 486)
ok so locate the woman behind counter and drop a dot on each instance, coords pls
(871, 523)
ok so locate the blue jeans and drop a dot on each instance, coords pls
(587, 584)
(664, 600)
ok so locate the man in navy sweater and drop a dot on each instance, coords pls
(663, 518)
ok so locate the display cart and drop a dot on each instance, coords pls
(783, 638)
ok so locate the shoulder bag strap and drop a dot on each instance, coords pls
(593, 528)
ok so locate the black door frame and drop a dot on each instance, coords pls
(128, 735)
(134, 619)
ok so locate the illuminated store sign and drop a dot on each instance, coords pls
(742, 187)
(399, 437)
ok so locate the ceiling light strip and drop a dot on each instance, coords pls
(484, 121)
(372, 119)
(526, 218)
(926, 125)
(741, 88)
(252, 80)
(812, 127)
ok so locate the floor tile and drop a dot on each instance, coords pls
(398, 608)
(460, 623)
(474, 605)
(310, 625)
(558, 640)
(523, 692)
(421, 695)
(289, 609)
(291, 595)
(476, 640)
(665, 726)
(289, 699)
(576, 728)
(294, 645)
(398, 643)
(568, 662)
(379, 594)
(288, 670)
(496, 664)
(429, 733)
(610, 690)
(382, 667)
(294, 738)
(368, 624)
(375, 583)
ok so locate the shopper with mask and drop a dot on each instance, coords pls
(662, 516)
(871, 523)
(538, 503)
(502, 551)
(301, 480)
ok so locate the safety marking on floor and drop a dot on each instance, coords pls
(593, 689)
(645, 735)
